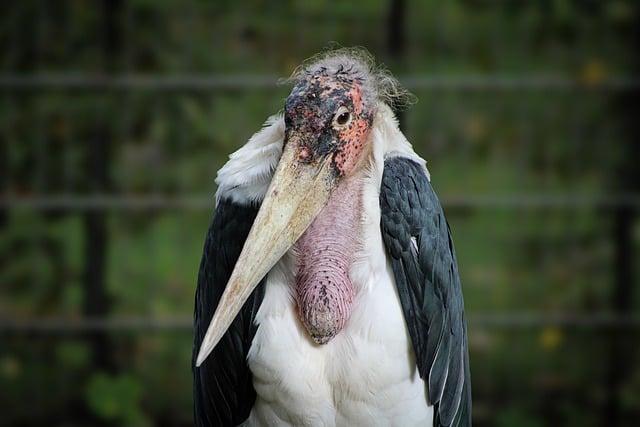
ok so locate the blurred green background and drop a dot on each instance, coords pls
(115, 116)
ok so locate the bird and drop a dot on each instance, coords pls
(328, 292)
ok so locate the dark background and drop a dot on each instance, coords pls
(115, 116)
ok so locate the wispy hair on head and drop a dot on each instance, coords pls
(356, 62)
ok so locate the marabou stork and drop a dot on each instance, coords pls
(328, 292)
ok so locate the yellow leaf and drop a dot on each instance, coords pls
(550, 338)
(10, 367)
(593, 72)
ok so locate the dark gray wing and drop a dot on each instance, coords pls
(223, 390)
(418, 241)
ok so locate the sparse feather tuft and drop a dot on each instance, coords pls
(377, 81)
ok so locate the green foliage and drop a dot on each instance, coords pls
(116, 398)
(514, 416)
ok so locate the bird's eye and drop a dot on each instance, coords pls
(342, 117)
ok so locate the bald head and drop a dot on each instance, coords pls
(328, 113)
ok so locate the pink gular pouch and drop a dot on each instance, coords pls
(323, 289)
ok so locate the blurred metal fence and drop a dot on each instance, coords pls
(99, 202)
(515, 320)
(52, 82)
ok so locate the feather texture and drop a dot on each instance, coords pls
(428, 285)
(223, 385)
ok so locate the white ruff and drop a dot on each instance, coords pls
(367, 374)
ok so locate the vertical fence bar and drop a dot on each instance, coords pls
(396, 40)
(4, 163)
(96, 301)
(626, 178)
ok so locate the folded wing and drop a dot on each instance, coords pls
(418, 241)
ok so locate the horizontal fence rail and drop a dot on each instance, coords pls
(203, 202)
(516, 320)
(197, 82)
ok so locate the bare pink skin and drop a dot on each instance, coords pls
(323, 289)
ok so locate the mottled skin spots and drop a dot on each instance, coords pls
(353, 140)
(316, 123)
(309, 119)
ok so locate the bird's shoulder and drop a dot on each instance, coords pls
(246, 175)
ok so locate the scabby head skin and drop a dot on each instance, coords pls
(327, 114)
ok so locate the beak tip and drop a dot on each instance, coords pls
(209, 343)
(206, 347)
(202, 356)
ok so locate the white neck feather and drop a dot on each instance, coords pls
(246, 176)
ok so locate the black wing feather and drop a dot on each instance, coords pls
(429, 287)
(223, 390)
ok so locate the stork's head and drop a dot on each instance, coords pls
(328, 117)
(328, 120)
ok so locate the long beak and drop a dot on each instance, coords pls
(297, 193)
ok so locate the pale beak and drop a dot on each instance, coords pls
(297, 194)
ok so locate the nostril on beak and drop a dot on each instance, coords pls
(305, 154)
